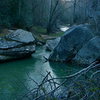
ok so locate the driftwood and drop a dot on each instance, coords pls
(83, 85)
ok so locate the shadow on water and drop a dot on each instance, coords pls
(63, 69)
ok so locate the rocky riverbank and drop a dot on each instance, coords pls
(16, 44)
(78, 44)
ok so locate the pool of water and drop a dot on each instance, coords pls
(14, 76)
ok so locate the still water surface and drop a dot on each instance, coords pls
(14, 79)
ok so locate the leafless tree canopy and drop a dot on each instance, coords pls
(49, 13)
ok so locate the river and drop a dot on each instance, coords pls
(14, 78)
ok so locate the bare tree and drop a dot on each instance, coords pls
(83, 85)
(74, 11)
(54, 14)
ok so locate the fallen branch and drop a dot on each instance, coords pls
(68, 82)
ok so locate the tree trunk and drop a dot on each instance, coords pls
(74, 12)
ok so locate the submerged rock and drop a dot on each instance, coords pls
(89, 52)
(51, 44)
(18, 44)
(70, 43)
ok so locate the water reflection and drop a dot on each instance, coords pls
(11, 75)
(63, 69)
(14, 79)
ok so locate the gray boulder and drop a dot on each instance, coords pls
(51, 44)
(21, 36)
(89, 52)
(71, 42)
(17, 52)
(15, 45)
(4, 44)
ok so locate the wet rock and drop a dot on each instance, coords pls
(51, 44)
(70, 43)
(89, 52)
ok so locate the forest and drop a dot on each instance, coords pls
(48, 14)
(50, 49)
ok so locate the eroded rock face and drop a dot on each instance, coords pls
(70, 43)
(19, 51)
(51, 44)
(4, 44)
(89, 52)
(18, 44)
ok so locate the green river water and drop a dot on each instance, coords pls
(14, 79)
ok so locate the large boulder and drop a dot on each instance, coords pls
(89, 52)
(21, 36)
(5, 44)
(70, 43)
(18, 44)
(17, 52)
(51, 44)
